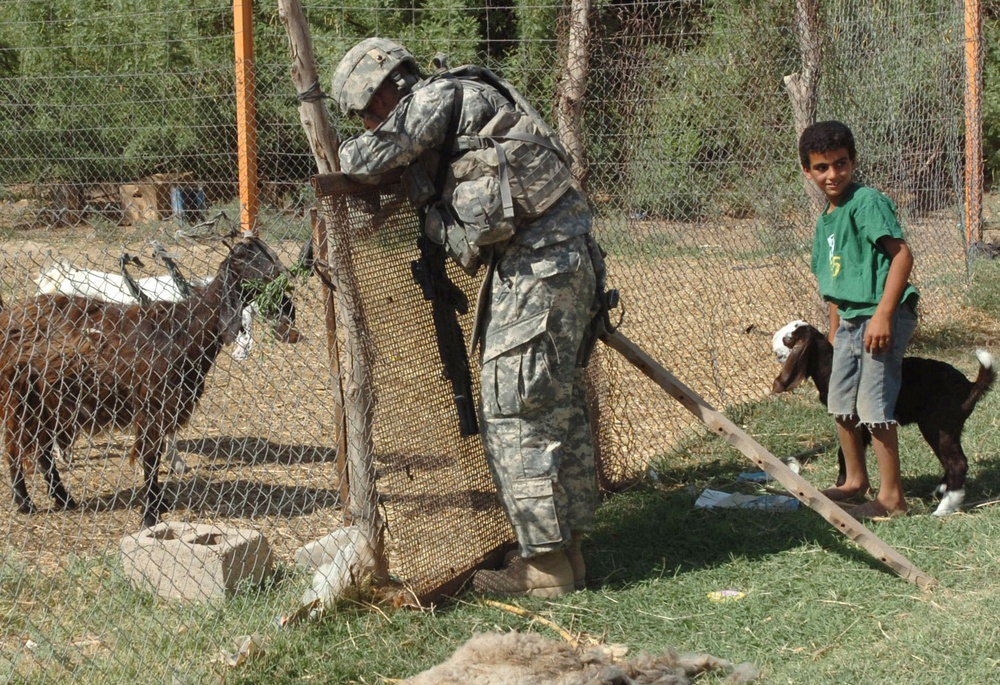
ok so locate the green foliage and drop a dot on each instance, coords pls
(98, 90)
(270, 294)
(118, 89)
(704, 141)
(991, 95)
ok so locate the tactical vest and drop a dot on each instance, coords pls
(507, 174)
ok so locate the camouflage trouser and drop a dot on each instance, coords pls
(534, 412)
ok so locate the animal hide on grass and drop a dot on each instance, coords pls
(530, 659)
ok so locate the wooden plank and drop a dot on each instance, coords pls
(336, 184)
(796, 485)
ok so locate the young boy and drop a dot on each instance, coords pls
(863, 268)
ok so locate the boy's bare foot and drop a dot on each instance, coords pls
(842, 494)
(875, 510)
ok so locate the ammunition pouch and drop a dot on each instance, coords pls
(472, 220)
(418, 185)
(441, 227)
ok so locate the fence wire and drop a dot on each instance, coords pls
(118, 139)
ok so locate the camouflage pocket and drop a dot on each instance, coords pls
(520, 380)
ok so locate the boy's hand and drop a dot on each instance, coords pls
(878, 333)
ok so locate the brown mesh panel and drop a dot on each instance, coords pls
(436, 494)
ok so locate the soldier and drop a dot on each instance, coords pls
(491, 182)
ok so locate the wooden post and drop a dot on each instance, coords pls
(323, 140)
(246, 114)
(355, 396)
(795, 484)
(361, 507)
(573, 87)
(973, 122)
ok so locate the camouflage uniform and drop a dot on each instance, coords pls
(542, 287)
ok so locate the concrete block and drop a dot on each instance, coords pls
(194, 561)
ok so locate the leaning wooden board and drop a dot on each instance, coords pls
(795, 484)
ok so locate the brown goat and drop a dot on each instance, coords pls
(934, 395)
(69, 364)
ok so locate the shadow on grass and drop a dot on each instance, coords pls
(650, 532)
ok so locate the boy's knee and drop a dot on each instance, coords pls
(847, 420)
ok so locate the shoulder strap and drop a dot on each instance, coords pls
(515, 97)
(444, 157)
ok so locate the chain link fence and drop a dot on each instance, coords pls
(118, 139)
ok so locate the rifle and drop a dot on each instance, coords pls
(447, 301)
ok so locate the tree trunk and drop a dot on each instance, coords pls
(323, 140)
(802, 86)
(573, 87)
(353, 403)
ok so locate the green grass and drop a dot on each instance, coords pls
(817, 608)
(983, 293)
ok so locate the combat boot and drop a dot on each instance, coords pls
(573, 554)
(575, 557)
(547, 575)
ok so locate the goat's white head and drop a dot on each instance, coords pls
(781, 351)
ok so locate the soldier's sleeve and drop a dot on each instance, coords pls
(417, 124)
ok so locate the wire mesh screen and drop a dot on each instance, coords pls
(433, 484)
(439, 502)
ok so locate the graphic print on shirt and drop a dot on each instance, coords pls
(835, 261)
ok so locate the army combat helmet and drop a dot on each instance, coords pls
(365, 67)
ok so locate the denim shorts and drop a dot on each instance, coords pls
(866, 385)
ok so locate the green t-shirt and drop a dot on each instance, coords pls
(848, 262)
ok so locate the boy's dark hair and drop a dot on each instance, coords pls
(825, 136)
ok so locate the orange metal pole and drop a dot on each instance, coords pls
(973, 122)
(246, 115)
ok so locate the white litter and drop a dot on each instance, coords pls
(716, 499)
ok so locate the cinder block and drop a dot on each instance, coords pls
(194, 561)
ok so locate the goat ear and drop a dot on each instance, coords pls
(793, 371)
(231, 316)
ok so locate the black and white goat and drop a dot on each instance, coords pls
(933, 394)
(70, 364)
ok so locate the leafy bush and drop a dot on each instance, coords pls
(991, 95)
(708, 134)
